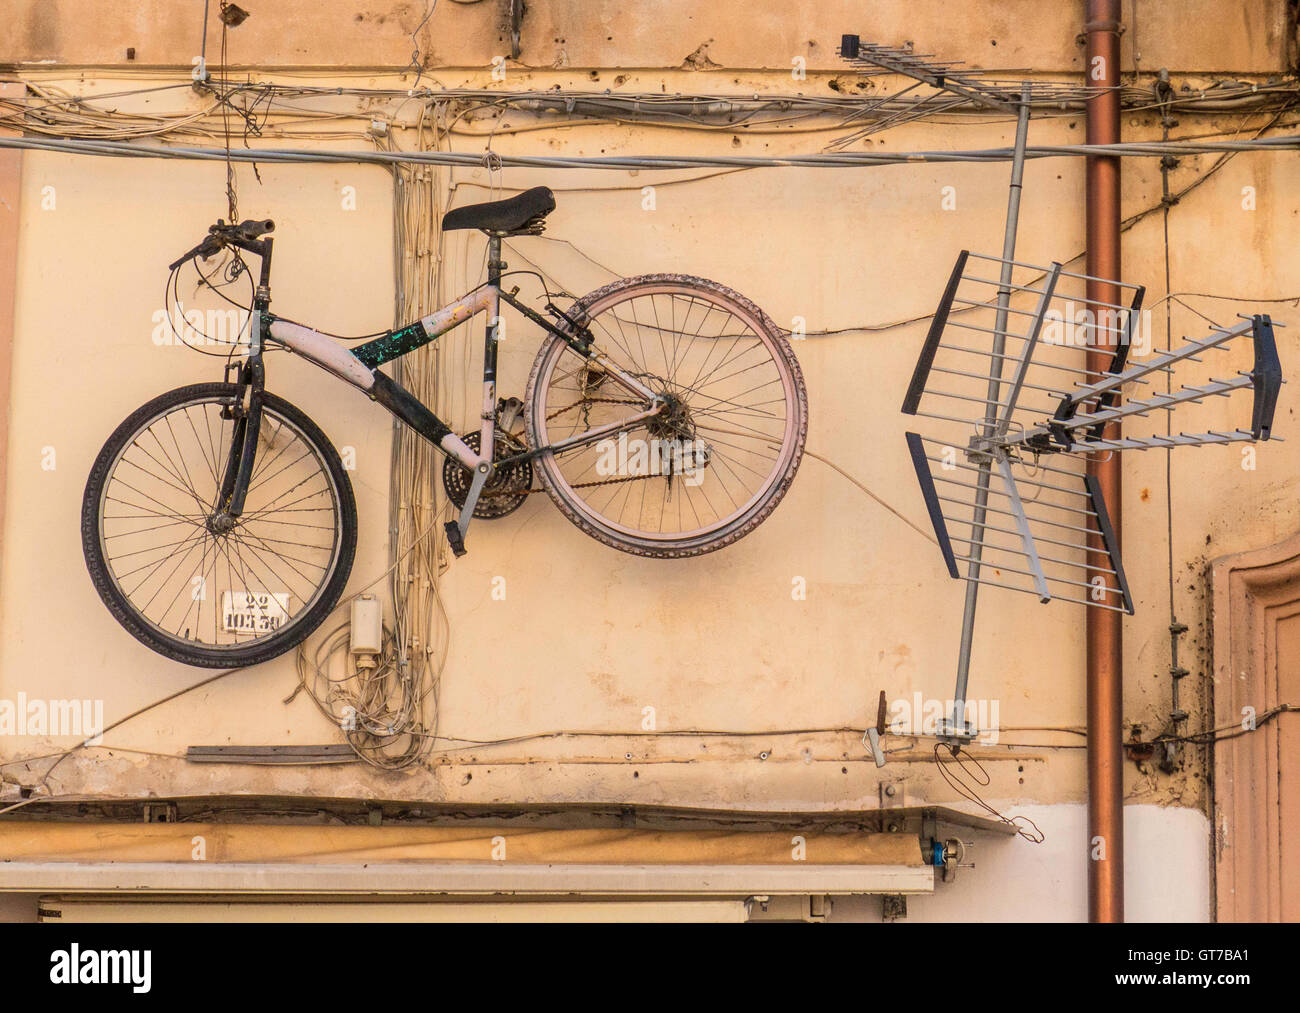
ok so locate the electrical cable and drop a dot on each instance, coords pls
(1167, 201)
(654, 162)
(394, 704)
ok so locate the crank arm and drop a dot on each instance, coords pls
(456, 529)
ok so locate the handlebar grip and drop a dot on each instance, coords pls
(254, 227)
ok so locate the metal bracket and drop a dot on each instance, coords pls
(516, 15)
(872, 737)
(159, 812)
(893, 794)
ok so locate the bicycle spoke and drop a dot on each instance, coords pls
(157, 548)
(725, 414)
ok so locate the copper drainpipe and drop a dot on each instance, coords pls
(1104, 638)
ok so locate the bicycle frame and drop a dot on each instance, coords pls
(360, 368)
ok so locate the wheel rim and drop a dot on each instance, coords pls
(726, 384)
(172, 558)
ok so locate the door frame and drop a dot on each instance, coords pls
(1252, 592)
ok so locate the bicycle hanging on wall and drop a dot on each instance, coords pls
(219, 525)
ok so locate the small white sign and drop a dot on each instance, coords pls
(253, 612)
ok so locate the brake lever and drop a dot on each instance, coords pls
(221, 234)
(208, 248)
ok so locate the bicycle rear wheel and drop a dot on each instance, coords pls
(715, 462)
(194, 586)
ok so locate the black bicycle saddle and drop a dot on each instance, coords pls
(523, 214)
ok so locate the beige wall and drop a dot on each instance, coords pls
(588, 637)
(1196, 35)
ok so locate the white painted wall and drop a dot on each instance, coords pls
(1166, 859)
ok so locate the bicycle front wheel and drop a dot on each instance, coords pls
(724, 447)
(197, 585)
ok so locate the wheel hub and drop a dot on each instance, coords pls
(673, 422)
(221, 523)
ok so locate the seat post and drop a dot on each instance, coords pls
(495, 263)
(487, 429)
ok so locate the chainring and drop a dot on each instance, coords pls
(504, 492)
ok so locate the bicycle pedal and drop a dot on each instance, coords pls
(455, 539)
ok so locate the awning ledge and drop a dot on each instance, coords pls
(461, 878)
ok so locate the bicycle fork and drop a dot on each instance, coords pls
(246, 411)
(243, 451)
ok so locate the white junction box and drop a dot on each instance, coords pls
(367, 626)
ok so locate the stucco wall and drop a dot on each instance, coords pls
(586, 637)
(1197, 35)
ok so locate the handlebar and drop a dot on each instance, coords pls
(222, 235)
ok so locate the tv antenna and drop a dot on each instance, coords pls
(1014, 410)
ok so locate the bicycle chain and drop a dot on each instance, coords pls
(589, 401)
(581, 485)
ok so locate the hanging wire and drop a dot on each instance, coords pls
(232, 196)
(964, 774)
(820, 160)
(416, 64)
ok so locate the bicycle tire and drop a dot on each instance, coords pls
(129, 617)
(576, 510)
